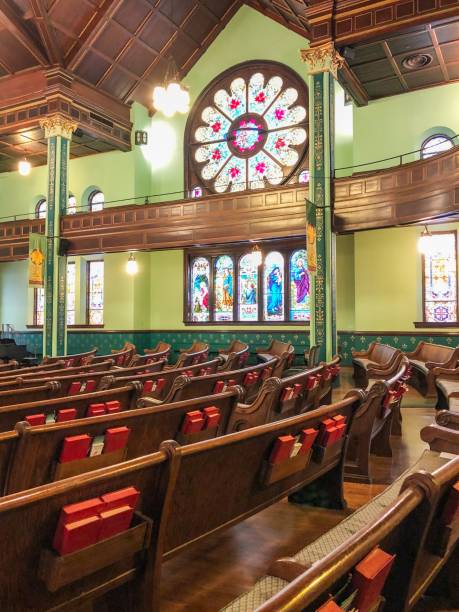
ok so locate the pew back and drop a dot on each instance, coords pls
(71, 360)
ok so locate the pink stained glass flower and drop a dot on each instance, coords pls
(260, 97)
(216, 127)
(280, 143)
(216, 155)
(279, 114)
(234, 104)
(234, 172)
(260, 167)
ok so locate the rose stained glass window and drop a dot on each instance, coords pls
(440, 279)
(223, 287)
(274, 287)
(248, 288)
(95, 295)
(299, 286)
(249, 131)
(200, 273)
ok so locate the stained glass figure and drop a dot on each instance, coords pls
(196, 192)
(274, 287)
(200, 273)
(299, 287)
(71, 288)
(95, 292)
(303, 177)
(39, 313)
(248, 288)
(253, 133)
(223, 288)
(440, 279)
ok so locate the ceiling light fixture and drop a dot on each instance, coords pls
(24, 167)
(425, 241)
(171, 97)
(132, 267)
(415, 61)
(256, 255)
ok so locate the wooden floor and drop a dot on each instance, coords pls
(212, 574)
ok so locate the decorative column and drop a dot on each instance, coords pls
(323, 63)
(58, 132)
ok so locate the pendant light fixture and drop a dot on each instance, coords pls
(425, 241)
(24, 167)
(256, 255)
(132, 267)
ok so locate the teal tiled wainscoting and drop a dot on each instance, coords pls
(106, 340)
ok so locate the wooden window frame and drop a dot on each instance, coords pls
(284, 246)
(88, 285)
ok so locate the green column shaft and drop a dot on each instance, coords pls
(323, 285)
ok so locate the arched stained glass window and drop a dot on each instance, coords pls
(95, 293)
(248, 288)
(40, 209)
(249, 129)
(200, 274)
(299, 286)
(223, 288)
(72, 205)
(274, 287)
(439, 143)
(96, 201)
(440, 279)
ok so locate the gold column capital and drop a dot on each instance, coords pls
(323, 58)
(58, 125)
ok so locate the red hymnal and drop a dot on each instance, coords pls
(339, 418)
(36, 419)
(147, 386)
(66, 414)
(297, 390)
(115, 521)
(113, 406)
(230, 383)
(286, 394)
(369, 577)
(329, 606)
(73, 513)
(96, 410)
(329, 436)
(160, 384)
(266, 373)
(311, 383)
(78, 535)
(123, 497)
(327, 374)
(282, 449)
(323, 426)
(90, 386)
(212, 416)
(340, 429)
(248, 379)
(116, 438)
(219, 386)
(451, 510)
(75, 447)
(307, 439)
(74, 388)
(194, 421)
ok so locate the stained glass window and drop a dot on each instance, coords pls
(223, 288)
(299, 286)
(200, 274)
(95, 293)
(249, 131)
(274, 287)
(72, 205)
(196, 192)
(40, 209)
(435, 145)
(303, 177)
(39, 306)
(96, 201)
(71, 292)
(248, 289)
(440, 279)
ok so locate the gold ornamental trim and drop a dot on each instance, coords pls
(323, 58)
(58, 125)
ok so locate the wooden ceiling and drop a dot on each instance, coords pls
(423, 56)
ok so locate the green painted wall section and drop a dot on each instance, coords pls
(14, 293)
(345, 282)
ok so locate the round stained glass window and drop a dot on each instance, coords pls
(249, 129)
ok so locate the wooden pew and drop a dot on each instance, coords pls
(447, 387)
(36, 579)
(197, 353)
(284, 351)
(10, 365)
(235, 356)
(403, 520)
(127, 396)
(424, 359)
(271, 405)
(121, 358)
(187, 387)
(49, 373)
(161, 350)
(373, 424)
(311, 355)
(11, 372)
(380, 360)
(71, 360)
(30, 458)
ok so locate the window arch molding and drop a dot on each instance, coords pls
(264, 170)
(41, 207)
(435, 145)
(96, 200)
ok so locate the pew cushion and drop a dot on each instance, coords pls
(420, 364)
(447, 387)
(268, 586)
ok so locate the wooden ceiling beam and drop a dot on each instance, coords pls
(14, 24)
(95, 26)
(46, 31)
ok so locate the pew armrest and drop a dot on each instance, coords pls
(448, 418)
(287, 569)
(441, 439)
(147, 402)
(417, 350)
(446, 372)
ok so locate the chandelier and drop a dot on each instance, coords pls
(170, 97)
